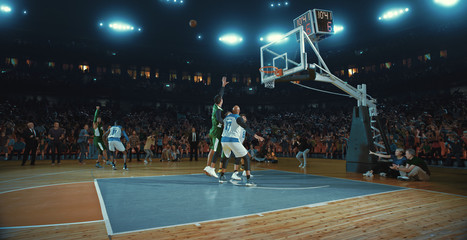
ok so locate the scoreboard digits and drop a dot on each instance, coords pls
(324, 21)
(318, 24)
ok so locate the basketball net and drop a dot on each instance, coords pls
(271, 71)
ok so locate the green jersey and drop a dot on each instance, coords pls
(99, 131)
(216, 128)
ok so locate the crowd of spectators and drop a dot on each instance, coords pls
(434, 126)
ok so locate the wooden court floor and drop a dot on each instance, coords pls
(60, 202)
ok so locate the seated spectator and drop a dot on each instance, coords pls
(425, 150)
(174, 154)
(10, 144)
(456, 146)
(271, 156)
(18, 148)
(41, 148)
(383, 167)
(4, 144)
(252, 151)
(261, 155)
(415, 169)
(166, 153)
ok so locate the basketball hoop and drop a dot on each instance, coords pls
(272, 71)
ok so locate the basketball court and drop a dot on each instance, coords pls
(167, 198)
(175, 200)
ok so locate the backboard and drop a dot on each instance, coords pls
(287, 53)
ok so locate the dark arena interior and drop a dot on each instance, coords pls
(190, 119)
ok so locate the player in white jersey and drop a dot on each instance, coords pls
(115, 133)
(233, 131)
(237, 159)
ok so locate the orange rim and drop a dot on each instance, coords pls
(264, 69)
(274, 70)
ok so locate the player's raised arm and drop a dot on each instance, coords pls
(224, 83)
(96, 114)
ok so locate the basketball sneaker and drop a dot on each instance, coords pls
(206, 170)
(108, 162)
(98, 165)
(249, 183)
(405, 178)
(125, 167)
(301, 164)
(244, 174)
(382, 174)
(212, 172)
(235, 176)
(114, 167)
(368, 174)
(145, 162)
(222, 179)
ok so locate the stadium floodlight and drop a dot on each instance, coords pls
(272, 4)
(338, 28)
(393, 14)
(101, 24)
(231, 39)
(25, 12)
(274, 37)
(5, 8)
(121, 27)
(446, 3)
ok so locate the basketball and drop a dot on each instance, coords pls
(193, 23)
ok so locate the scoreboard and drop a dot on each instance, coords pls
(317, 23)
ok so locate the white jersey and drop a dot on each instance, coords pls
(242, 136)
(232, 131)
(96, 132)
(115, 132)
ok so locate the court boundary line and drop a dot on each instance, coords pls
(49, 185)
(452, 194)
(50, 225)
(257, 214)
(38, 175)
(170, 175)
(103, 209)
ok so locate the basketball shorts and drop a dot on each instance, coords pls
(215, 143)
(236, 147)
(100, 145)
(116, 145)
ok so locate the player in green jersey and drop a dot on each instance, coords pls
(215, 134)
(98, 141)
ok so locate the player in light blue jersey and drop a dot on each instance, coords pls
(115, 134)
(237, 159)
(233, 131)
